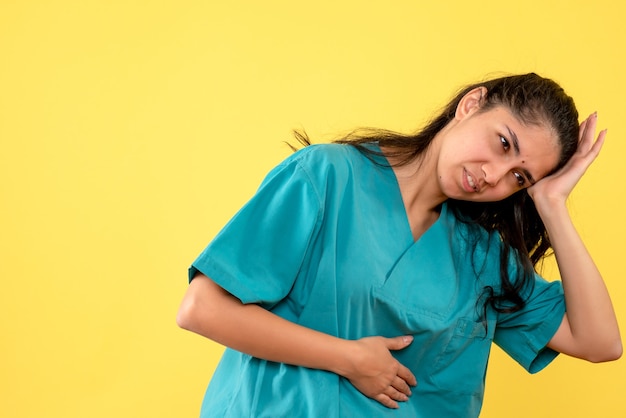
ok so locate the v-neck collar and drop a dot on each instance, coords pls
(382, 160)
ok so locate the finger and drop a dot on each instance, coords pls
(591, 152)
(398, 343)
(386, 401)
(581, 130)
(395, 395)
(405, 374)
(597, 146)
(578, 166)
(590, 129)
(401, 385)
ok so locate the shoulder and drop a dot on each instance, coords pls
(337, 161)
(330, 154)
(321, 167)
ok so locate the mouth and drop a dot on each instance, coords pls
(470, 182)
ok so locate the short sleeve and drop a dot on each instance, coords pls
(524, 334)
(257, 255)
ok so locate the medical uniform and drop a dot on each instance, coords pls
(325, 242)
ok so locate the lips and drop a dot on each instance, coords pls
(469, 182)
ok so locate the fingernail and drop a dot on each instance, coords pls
(407, 338)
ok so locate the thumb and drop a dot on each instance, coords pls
(398, 343)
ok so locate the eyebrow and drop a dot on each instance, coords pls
(529, 176)
(514, 138)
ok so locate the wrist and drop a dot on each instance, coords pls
(342, 358)
(548, 205)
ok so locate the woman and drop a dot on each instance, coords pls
(370, 277)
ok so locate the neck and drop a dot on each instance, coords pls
(418, 182)
(420, 191)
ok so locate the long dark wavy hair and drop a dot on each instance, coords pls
(534, 100)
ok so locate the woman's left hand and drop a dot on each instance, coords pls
(589, 328)
(558, 186)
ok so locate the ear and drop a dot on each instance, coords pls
(471, 102)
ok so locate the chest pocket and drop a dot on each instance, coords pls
(462, 364)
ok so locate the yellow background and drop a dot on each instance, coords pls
(131, 131)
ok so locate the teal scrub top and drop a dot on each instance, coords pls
(325, 242)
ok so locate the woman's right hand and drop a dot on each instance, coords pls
(377, 374)
(209, 310)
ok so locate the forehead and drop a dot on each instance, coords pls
(539, 146)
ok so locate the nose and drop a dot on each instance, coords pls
(493, 173)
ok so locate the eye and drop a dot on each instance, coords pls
(505, 143)
(521, 181)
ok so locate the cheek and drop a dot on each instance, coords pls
(447, 185)
(501, 192)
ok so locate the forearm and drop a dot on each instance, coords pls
(590, 319)
(210, 311)
(367, 363)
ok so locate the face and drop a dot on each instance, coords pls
(487, 156)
